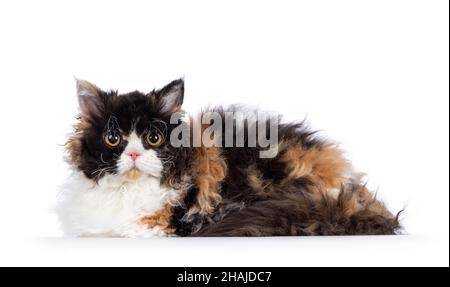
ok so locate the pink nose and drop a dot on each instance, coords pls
(134, 155)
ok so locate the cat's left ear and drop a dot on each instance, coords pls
(170, 98)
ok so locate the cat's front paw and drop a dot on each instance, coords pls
(156, 231)
(143, 231)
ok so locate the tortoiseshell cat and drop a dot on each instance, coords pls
(130, 181)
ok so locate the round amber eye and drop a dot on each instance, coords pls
(154, 138)
(112, 139)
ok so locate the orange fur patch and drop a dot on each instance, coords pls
(255, 181)
(325, 165)
(349, 202)
(210, 169)
(160, 218)
(73, 144)
(355, 197)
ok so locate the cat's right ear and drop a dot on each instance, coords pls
(88, 98)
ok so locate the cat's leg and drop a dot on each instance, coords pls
(209, 169)
(158, 223)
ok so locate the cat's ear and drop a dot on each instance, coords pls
(170, 98)
(88, 98)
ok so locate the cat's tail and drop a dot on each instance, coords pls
(354, 211)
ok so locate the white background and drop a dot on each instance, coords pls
(372, 75)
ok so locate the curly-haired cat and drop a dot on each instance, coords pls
(130, 181)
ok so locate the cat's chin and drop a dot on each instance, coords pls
(134, 174)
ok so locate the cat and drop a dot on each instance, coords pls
(129, 180)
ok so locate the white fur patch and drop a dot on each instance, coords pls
(111, 207)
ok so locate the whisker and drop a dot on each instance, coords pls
(101, 158)
(100, 171)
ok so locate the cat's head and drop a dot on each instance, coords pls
(123, 134)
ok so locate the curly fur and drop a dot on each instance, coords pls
(308, 188)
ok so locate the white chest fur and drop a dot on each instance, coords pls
(111, 207)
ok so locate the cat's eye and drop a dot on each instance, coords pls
(112, 139)
(154, 138)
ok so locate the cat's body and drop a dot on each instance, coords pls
(130, 181)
